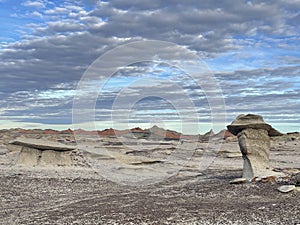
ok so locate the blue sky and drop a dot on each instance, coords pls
(251, 48)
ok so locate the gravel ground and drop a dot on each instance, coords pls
(208, 199)
(82, 196)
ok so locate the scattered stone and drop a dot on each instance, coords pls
(296, 179)
(286, 188)
(272, 177)
(238, 181)
(268, 179)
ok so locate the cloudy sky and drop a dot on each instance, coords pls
(251, 48)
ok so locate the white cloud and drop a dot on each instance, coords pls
(37, 14)
(57, 10)
(35, 4)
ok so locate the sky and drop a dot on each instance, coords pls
(248, 52)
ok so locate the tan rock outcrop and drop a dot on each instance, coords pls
(255, 147)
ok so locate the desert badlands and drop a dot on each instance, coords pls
(248, 174)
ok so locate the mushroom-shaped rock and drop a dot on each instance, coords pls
(36, 152)
(254, 141)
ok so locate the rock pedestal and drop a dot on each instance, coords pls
(254, 141)
(255, 147)
(33, 152)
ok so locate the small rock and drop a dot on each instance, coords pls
(256, 179)
(238, 181)
(276, 169)
(297, 176)
(233, 155)
(295, 179)
(267, 179)
(286, 188)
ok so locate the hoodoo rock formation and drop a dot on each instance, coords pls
(36, 152)
(254, 141)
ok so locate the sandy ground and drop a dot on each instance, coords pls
(81, 195)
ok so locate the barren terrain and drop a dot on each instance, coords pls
(81, 194)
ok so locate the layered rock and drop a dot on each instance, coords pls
(253, 121)
(254, 141)
(255, 147)
(35, 152)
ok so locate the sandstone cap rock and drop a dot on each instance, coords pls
(42, 144)
(251, 121)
